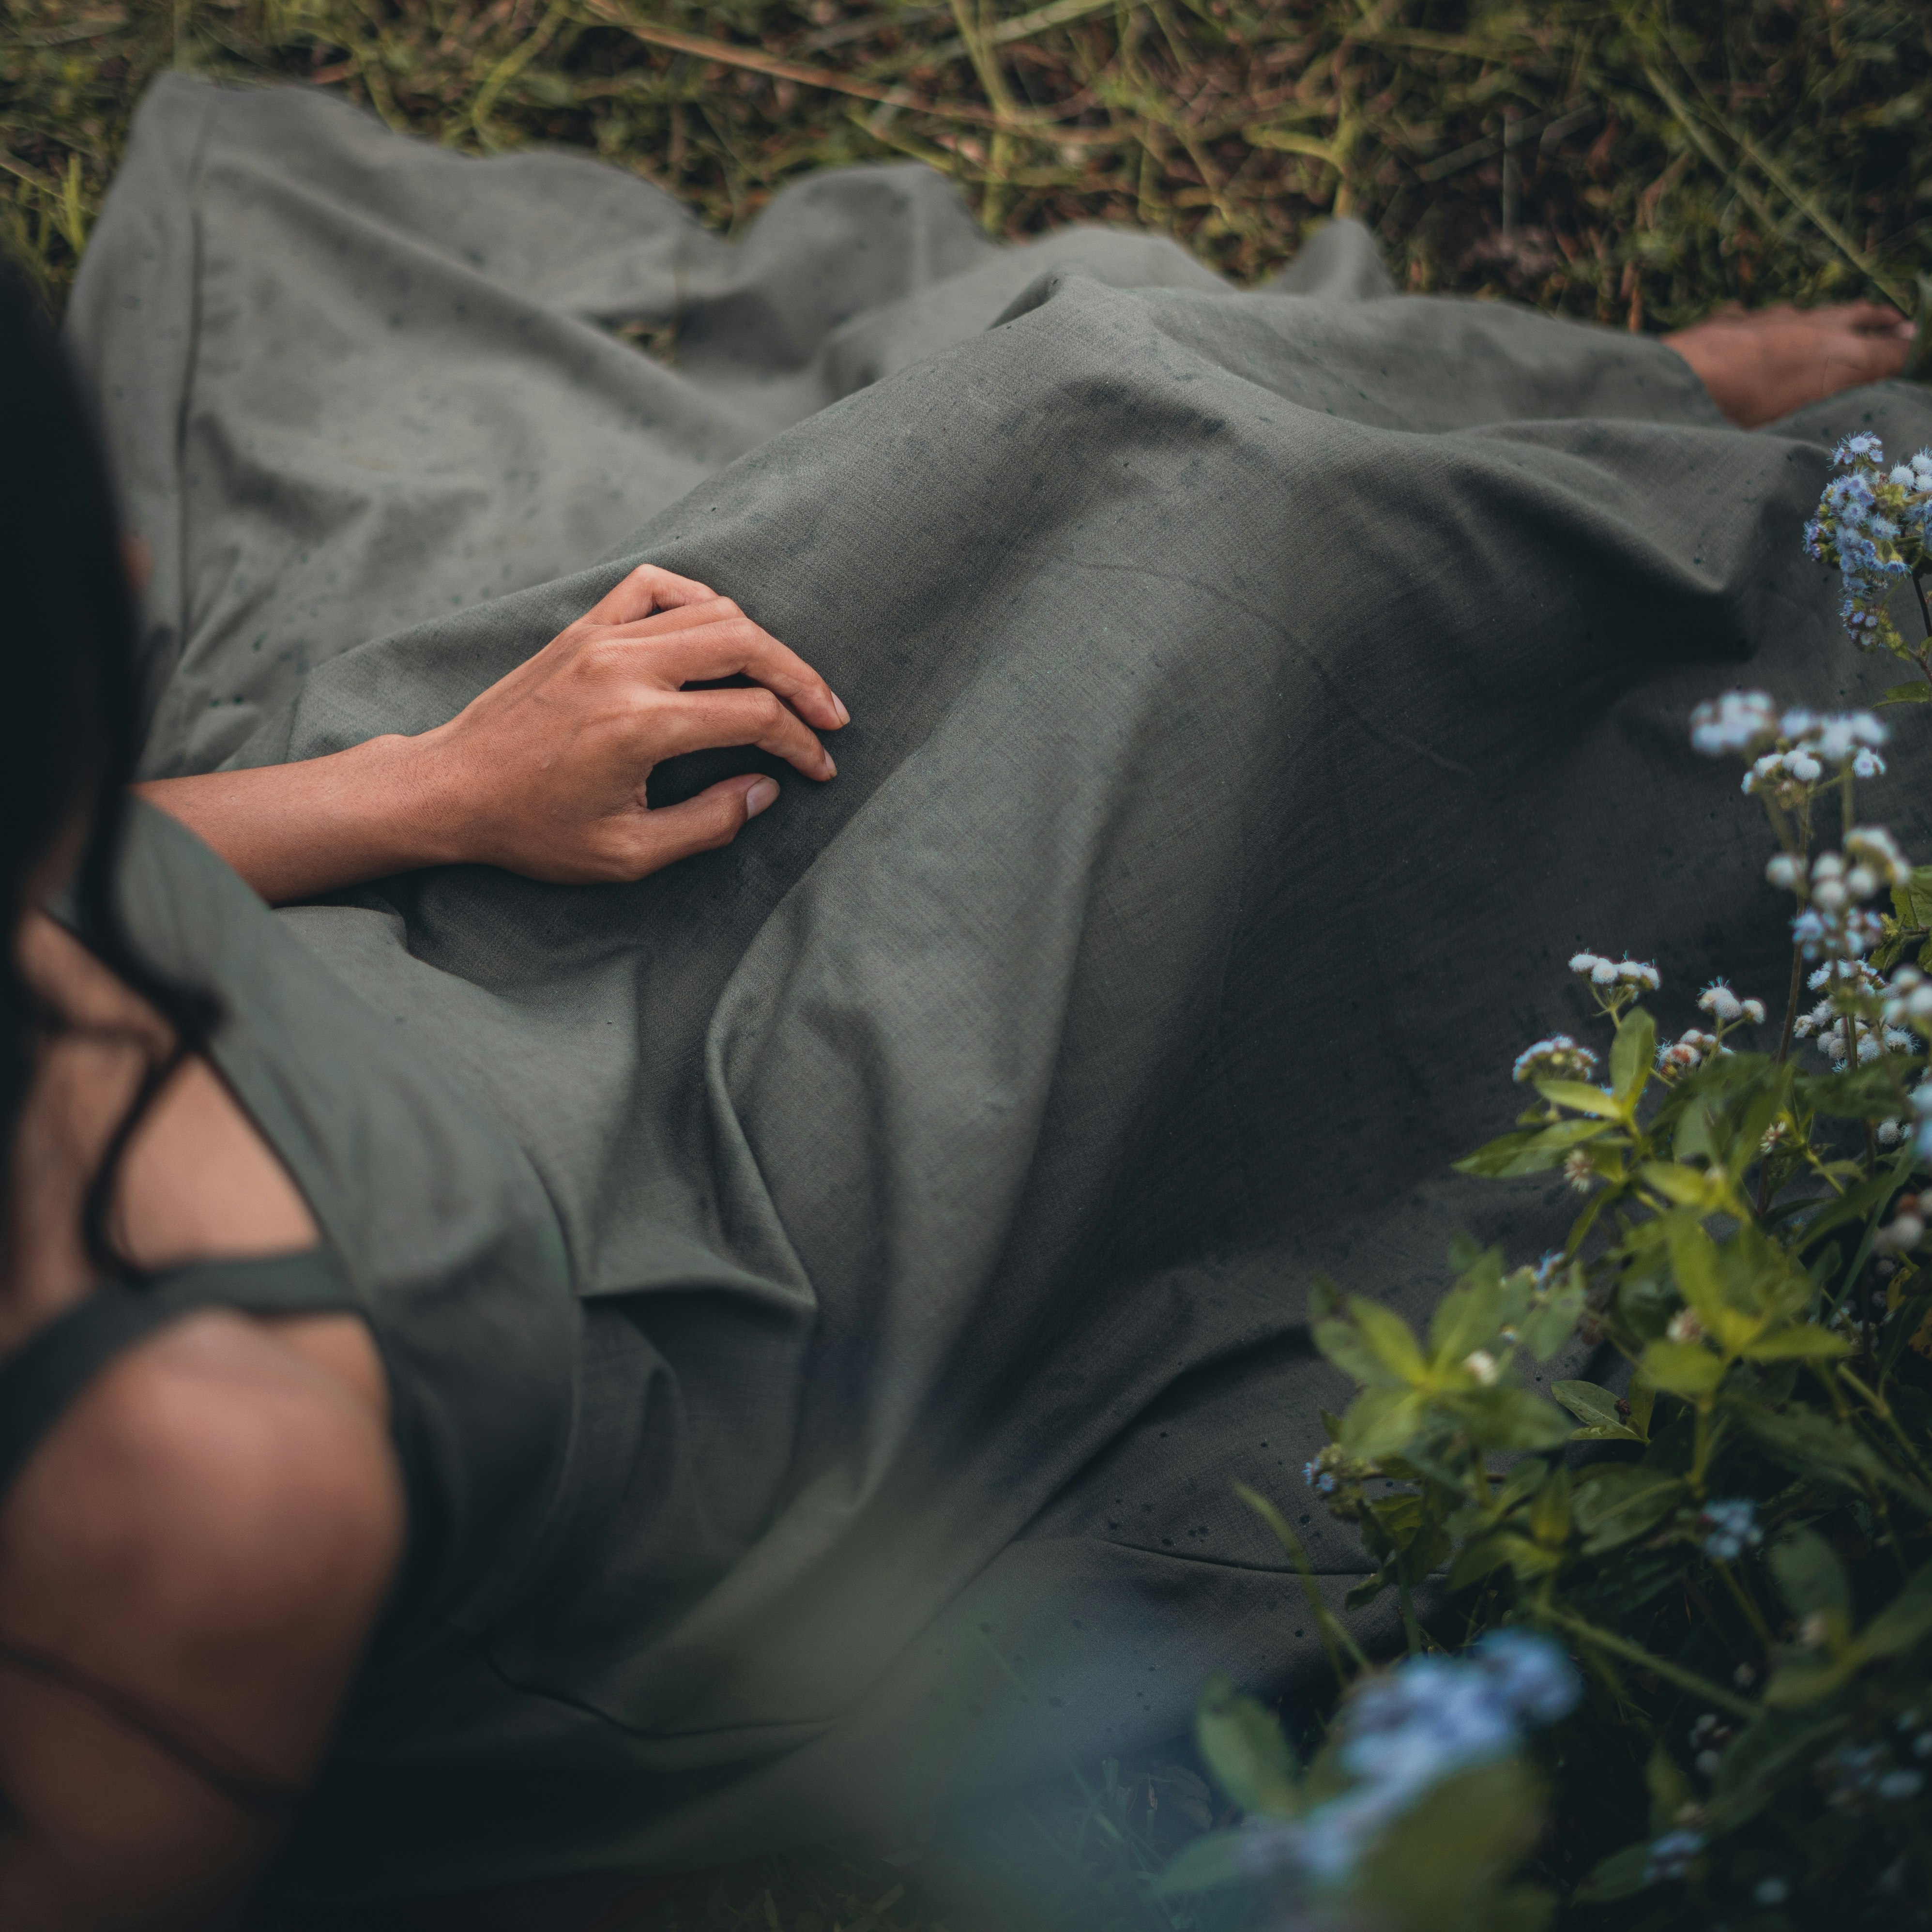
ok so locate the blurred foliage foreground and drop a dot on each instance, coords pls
(1715, 1640)
(1634, 163)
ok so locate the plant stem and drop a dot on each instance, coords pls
(1746, 1602)
(1791, 1004)
(1410, 1630)
(1685, 1680)
(1882, 1410)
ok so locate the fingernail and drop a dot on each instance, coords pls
(759, 796)
(838, 705)
(831, 769)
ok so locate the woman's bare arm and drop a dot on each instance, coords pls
(543, 773)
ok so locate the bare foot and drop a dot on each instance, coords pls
(1762, 365)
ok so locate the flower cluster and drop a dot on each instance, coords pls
(1855, 1777)
(1726, 1009)
(1691, 1049)
(1833, 924)
(1730, 1529)
(1790, 751)
(1874, 525)
(1402, 1731)
(1558, 1057)
(1615, 982)
(1337, 1478)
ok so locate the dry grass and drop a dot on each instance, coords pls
(1637, 162)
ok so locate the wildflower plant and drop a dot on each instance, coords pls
(1710, 1569)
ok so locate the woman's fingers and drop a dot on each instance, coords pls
(708, 720)
(717, 639)
(713, 818)
(647, 590)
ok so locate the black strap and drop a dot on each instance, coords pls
(41, 1378)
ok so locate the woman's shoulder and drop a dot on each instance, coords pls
(215, 1482)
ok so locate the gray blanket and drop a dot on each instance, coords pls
(1258, 696)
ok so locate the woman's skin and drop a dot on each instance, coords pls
(1763, 364)
(543, 774)
(214, 1526)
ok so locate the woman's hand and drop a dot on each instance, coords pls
(543, 773)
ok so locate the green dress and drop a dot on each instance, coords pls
(832, 1286)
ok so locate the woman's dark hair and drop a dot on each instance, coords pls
(69, 719)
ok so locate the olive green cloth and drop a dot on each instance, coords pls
(833, 1285)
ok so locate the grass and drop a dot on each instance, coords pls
(1625, 160)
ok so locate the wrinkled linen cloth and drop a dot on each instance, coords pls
(1257, 696)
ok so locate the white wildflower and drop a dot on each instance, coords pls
(1784, 872)
(1734, 722)
(1720, 1002)
(1483, 1366)
(1684, 1326)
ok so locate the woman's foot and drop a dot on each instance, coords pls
(1762, 364)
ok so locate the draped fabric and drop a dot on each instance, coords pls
(1257, 696)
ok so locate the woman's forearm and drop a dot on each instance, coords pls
(296, 831)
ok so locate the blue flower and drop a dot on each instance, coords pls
(1531, 1675)
(1402, 1731)
(1732, 1527)
(1671, 1856)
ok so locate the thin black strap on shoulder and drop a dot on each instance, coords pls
(42, 1377)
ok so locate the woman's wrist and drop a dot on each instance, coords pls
(391, 804)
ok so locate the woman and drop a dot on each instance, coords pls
(608, 1337)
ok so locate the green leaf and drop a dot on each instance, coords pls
(1691, 1187)
(1815, 1445)
(1696, 1268)
(1383, 1422)
(1755, 1764)
(1682, 1368)
(1548, 1328)
(1362, 1594)
(1615, 1503)
(1597, 1101)
(1347, 1348)
(1904, 1622)
(1669, 1790)
(1622, 1875)
(1596, 1409)
(1534, 1151)
(1798, 1345)
(1220, 1858)
(1550, 1513)
(1441, 1862)
(1464, 1319)
(1389, 1337)
(1244, 1748)
(1631, 1054)
(1810, 1577)
(1507, 1419)
(1915, 691)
